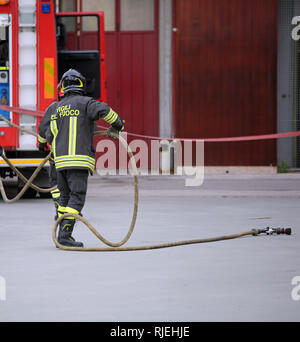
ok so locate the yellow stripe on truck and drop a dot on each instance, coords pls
(27, 161)
(48, 78)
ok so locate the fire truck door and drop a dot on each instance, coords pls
(79, 47)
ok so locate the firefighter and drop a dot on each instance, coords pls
(72, 126)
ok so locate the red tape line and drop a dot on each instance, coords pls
(39, 113)
(243, 138)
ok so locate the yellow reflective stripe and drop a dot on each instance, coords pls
(54, 130)
(75, 157)
(79, 161)
(75, 135)
(111, 117)
(108, 116)
(55, 194)
(64, 210)
(54, 191)
(53, 126)
(75, 163)
(83, 164)
(61, 210)
(115, 117)
(72, 210)
(41, 139)
(72, 135)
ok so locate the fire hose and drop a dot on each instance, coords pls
(118, 245)
(28, 182)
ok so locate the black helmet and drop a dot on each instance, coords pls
(72, 80)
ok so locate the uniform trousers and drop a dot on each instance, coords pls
(72, 184)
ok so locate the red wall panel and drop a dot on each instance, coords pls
(225, 57)
(132, 79)
(112, 70)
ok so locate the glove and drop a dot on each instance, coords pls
(43, 147)
(111, 129)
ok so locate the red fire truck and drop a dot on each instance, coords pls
(37, 45)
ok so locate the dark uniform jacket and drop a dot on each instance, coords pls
(69, 126)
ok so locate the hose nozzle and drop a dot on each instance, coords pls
(271, 231)
(286, 231)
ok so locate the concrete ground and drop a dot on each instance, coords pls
(246, 279)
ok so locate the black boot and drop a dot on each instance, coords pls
(65, 234)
